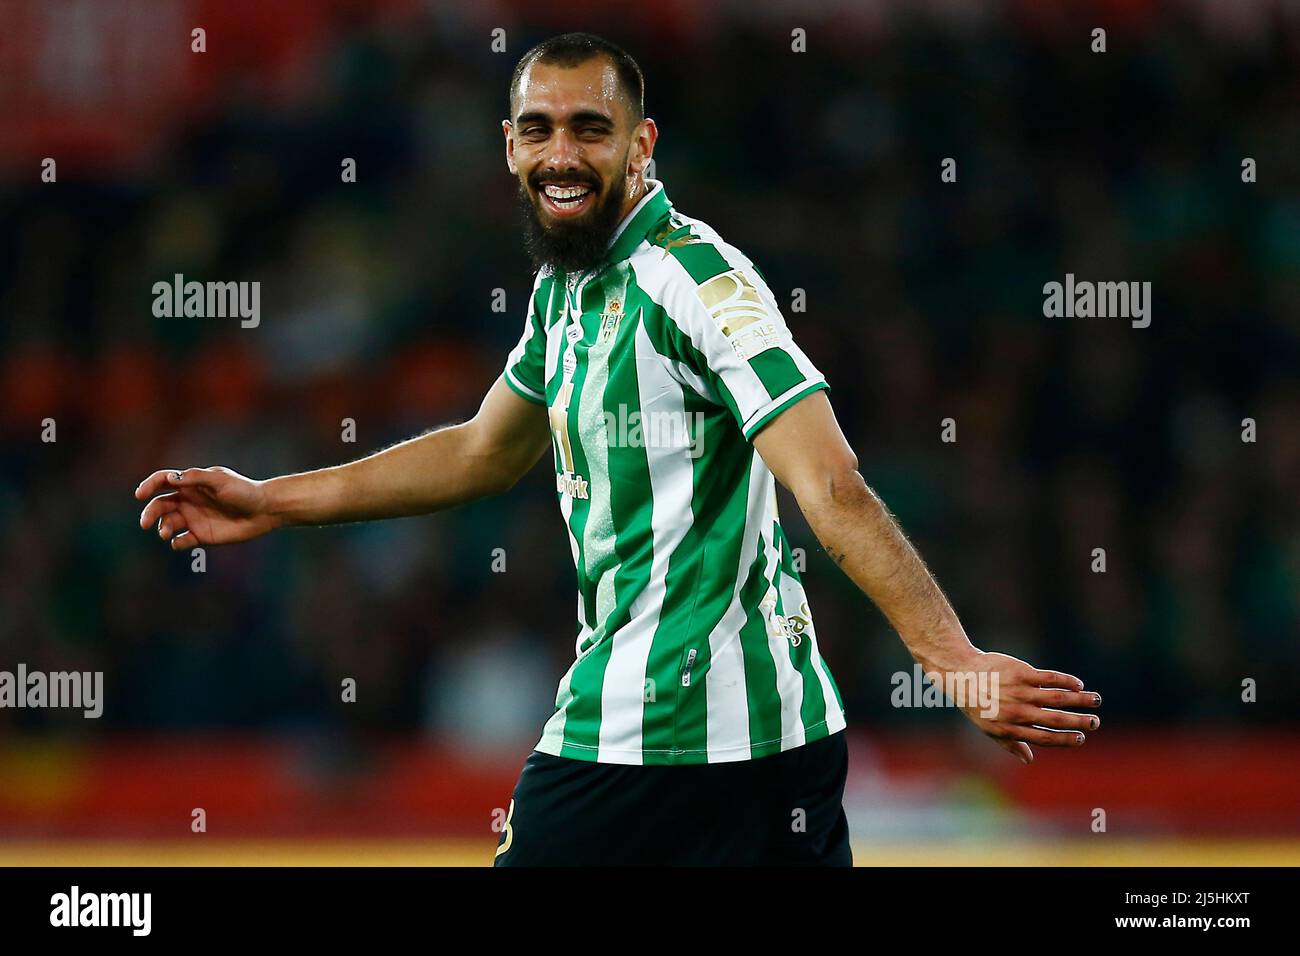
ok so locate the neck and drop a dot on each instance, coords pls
(635, 195)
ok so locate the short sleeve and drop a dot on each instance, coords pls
(525, 370)
(742, 346)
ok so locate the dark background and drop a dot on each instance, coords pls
(924, 302)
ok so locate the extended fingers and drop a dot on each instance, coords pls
(1037, 735)
(151, 485)
(162, 505)
(1056, 679)
(173, 478)
(1029, 711)
(1048, 697)
(1064, 720)
(1016, 714)
(170, 525)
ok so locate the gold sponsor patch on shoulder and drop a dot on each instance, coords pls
(733, 301)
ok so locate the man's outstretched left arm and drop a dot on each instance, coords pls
(807, 452)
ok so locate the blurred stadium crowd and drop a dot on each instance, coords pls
(924, 303)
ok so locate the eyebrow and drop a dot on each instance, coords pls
(582, 116)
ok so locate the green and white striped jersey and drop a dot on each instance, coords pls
(695, 641)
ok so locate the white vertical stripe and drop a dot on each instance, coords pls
(727, 694)
(671, 488)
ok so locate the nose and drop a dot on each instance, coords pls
(563, 151)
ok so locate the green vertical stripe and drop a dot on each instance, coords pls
(777, 371)
(763, 701)
(582, 718)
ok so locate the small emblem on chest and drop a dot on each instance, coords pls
(609, 321)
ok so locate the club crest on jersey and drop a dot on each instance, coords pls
(609, 321)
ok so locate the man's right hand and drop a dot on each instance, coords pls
(204, 506)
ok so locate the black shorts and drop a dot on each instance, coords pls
(781, 810)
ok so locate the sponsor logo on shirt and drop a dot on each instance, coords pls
(668, 228)
(758, 338)
(741, 314)
(575, 486)
(790, 627)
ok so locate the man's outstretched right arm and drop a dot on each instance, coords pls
(439, 469)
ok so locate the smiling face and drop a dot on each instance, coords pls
(580, 157)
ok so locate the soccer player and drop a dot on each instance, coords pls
(699, 723)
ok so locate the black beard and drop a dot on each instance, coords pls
(571, 247)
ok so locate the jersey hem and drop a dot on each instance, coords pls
(660, 757)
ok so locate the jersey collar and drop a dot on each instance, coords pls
(636, 225)
(652, 208)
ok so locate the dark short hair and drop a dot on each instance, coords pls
(574, 49)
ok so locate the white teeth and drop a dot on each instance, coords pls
(566, 193)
